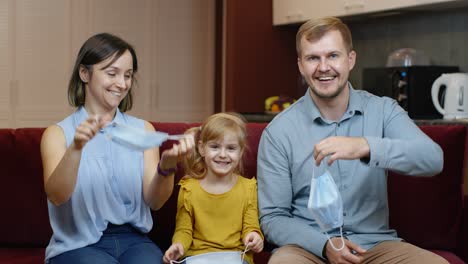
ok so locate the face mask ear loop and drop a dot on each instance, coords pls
(177, 262)
(243, 254)
(313, 171)
(176, 137)
(342, 240)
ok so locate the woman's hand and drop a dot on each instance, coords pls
(174, 252)
(170, 157)
(253, 241)
(87, 130)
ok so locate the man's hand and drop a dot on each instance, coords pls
(350, 254)
(346, 148)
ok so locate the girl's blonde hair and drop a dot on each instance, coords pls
(214, 128)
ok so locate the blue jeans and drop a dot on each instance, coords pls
(119, 244)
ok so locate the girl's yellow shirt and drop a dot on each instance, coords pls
(207, 222)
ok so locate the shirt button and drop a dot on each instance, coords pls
(350, 112)
(344, 214)
(377, 163)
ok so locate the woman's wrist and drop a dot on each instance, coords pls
(166, 171)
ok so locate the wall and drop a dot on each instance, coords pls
(261, 60)
(39, 40)
(441, 35)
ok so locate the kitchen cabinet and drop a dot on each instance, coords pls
(298, 11)
(39, 41)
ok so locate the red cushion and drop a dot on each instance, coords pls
(22, 255)
(449, 256)
(254, 132)
(32, 217)
(426, 211)
(10, 194)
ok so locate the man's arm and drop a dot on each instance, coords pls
(401, 146)
(275, 197)
(404, 148)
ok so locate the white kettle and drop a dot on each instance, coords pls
(456, 95)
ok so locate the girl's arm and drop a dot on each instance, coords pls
(251, 226)
(174, 252)
(184, 223)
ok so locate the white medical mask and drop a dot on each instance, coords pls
(224, 257)
(135, 138)
(325, 203)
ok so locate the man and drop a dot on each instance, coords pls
(359, 136)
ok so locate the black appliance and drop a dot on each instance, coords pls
(410, 86)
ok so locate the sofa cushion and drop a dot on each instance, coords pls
(11, 194)
(426, 211)
(449, 256)
(254, 132)
(22, 255)
(32, 217)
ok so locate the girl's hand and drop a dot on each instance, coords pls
(177, 152)
(174, 252)
(87, 130)
(254, 242)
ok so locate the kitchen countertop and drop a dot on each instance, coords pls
(463, 121)
(265, 118)
(258, 117)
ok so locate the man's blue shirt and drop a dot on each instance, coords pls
(285, 163)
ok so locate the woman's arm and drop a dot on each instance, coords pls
(158, 188)
(61, 163)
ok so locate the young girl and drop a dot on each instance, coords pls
(217, 207)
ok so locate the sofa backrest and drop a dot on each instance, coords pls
(425, 211)
(25, 220)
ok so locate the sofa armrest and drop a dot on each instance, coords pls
(463, 251)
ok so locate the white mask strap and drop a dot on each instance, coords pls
(242, 260)
(342, 240)
(243, 253)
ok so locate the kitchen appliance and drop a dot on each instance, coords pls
(410, 86)
(455, 99)
(407, 57)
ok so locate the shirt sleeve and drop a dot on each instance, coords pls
(404, 148)
(275, 201)
(251, 223)
(184, 227)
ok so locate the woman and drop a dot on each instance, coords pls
(100, 193)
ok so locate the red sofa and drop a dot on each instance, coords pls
(429, 212)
